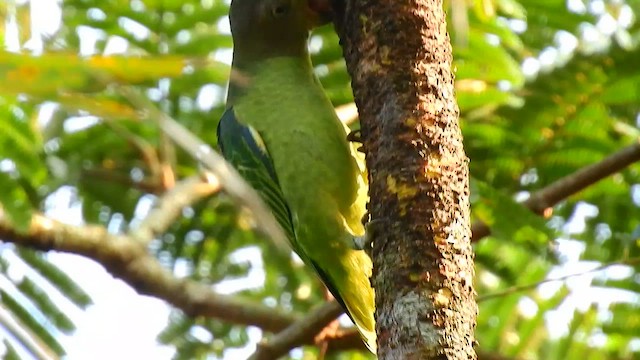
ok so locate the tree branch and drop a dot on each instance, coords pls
(571, 184)
(129, 260)
(399, 57)
(299, 332)
(169, 206)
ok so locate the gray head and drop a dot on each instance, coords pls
(268, 28)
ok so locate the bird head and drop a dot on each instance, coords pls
(264, 28)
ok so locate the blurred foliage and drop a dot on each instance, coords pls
(545, 87)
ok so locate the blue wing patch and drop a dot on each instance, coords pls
(244, 148)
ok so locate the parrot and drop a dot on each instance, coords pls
(281, 132)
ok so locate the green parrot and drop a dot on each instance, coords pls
(280, 131)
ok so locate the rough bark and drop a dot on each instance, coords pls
(399, 57)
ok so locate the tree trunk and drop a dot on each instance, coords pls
(399, 56)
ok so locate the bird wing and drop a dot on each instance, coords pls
(244, 148)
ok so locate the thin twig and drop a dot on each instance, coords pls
(526, 287)
(228, 176)
(168, 207)
(100, 174)
(167, 153)
(148, 151)
(571, 184)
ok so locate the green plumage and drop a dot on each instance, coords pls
(283, 135)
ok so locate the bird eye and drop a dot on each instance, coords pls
(280, 10)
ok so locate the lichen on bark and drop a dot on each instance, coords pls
(399, 57)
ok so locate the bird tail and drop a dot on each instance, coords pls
(365, 323)
(357, 296)
(368, 337)
(354, 292)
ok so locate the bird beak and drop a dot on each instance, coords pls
(320, 12)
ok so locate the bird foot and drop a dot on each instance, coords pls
(370, 229)
(355, 136)
(361, 242)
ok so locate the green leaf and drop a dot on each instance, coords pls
(40, 298)
(521, 225)
(15, 202)
(34, 325)
(55, 276)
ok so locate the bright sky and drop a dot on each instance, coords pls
(120, 324)
(123, 325)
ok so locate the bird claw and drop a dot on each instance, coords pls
(370, 229)
(361, 242)
(355, 136)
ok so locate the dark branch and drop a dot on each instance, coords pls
(298, 333)
(571, 184)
